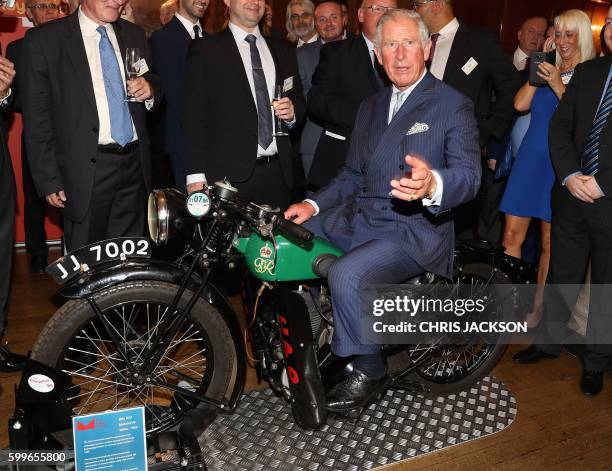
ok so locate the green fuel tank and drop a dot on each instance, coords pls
(286, 261)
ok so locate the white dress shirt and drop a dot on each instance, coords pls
(443, 48)
(269, 68)
(396, 94)
(91, 40)
(519, 59)
(300, 42)
(189, 25)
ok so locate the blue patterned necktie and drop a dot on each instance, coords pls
(264, 112)
(590, 158)
(120, 118)
(399, 101)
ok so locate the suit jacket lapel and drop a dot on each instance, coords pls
(592, 101)
(278, 80)
(76, 51)
(453, 64)
(379, 122)
(409, 112)
(176, 24)
(235, 61)
(363, 59)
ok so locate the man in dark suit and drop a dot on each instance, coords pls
(169, 46)
(8, 361)
(87, 146)
(329, 24)
(580, 140)
(34, 205)
(347, 73)
(472, 61)
(389, 237)
(228, 120)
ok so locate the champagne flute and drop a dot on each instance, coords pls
(132, 68)
(278, 123)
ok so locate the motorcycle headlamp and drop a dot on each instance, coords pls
(166, 214)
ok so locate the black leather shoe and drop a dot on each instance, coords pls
(532, 354)
(334, 369)
(38, 264)
(591, 382)
(356, 391)
(10, 362)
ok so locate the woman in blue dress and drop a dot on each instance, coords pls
(527, 193)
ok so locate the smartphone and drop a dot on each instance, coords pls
(536, 59)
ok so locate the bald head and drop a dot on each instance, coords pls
(436, 14)
(329, 21)
(532, 34)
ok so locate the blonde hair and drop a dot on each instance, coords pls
(577, 20)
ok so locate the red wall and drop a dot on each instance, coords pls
(10, 29)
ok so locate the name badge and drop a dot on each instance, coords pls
(288, 84)
(469, 66)
(142, 67)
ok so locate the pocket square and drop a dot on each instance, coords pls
(417, 128)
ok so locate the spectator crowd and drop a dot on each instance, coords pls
(198, 108)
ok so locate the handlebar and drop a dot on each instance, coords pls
(293, 231)
(255, 214)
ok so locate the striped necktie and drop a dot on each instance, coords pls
(264, 105)
(590, 158)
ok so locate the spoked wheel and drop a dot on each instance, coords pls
(444, 368)
(200, 358)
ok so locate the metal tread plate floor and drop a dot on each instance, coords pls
(262, 435)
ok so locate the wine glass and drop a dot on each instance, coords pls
(132, 67)
(278, 123)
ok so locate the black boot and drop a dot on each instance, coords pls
(10, 362)
(355, 392)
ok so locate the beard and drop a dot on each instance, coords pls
(302, 31)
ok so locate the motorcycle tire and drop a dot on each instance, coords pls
(437, 384)
(74, 340)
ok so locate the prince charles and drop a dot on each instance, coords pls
(414, 156)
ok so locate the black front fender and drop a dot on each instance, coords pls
(102, 277)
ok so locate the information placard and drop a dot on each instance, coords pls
(110, 441)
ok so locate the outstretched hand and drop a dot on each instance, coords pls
(417, 184)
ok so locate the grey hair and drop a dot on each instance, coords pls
(401, 14)
(306, 4)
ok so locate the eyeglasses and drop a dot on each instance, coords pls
(416, 5)
(45, 6)
(303, 16)
(379, 9)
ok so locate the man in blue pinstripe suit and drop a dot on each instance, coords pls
(414, 156)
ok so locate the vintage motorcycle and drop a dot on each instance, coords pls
(162, 334)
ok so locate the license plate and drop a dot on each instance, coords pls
(85, 258)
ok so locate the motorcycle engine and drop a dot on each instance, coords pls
(318, 302)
